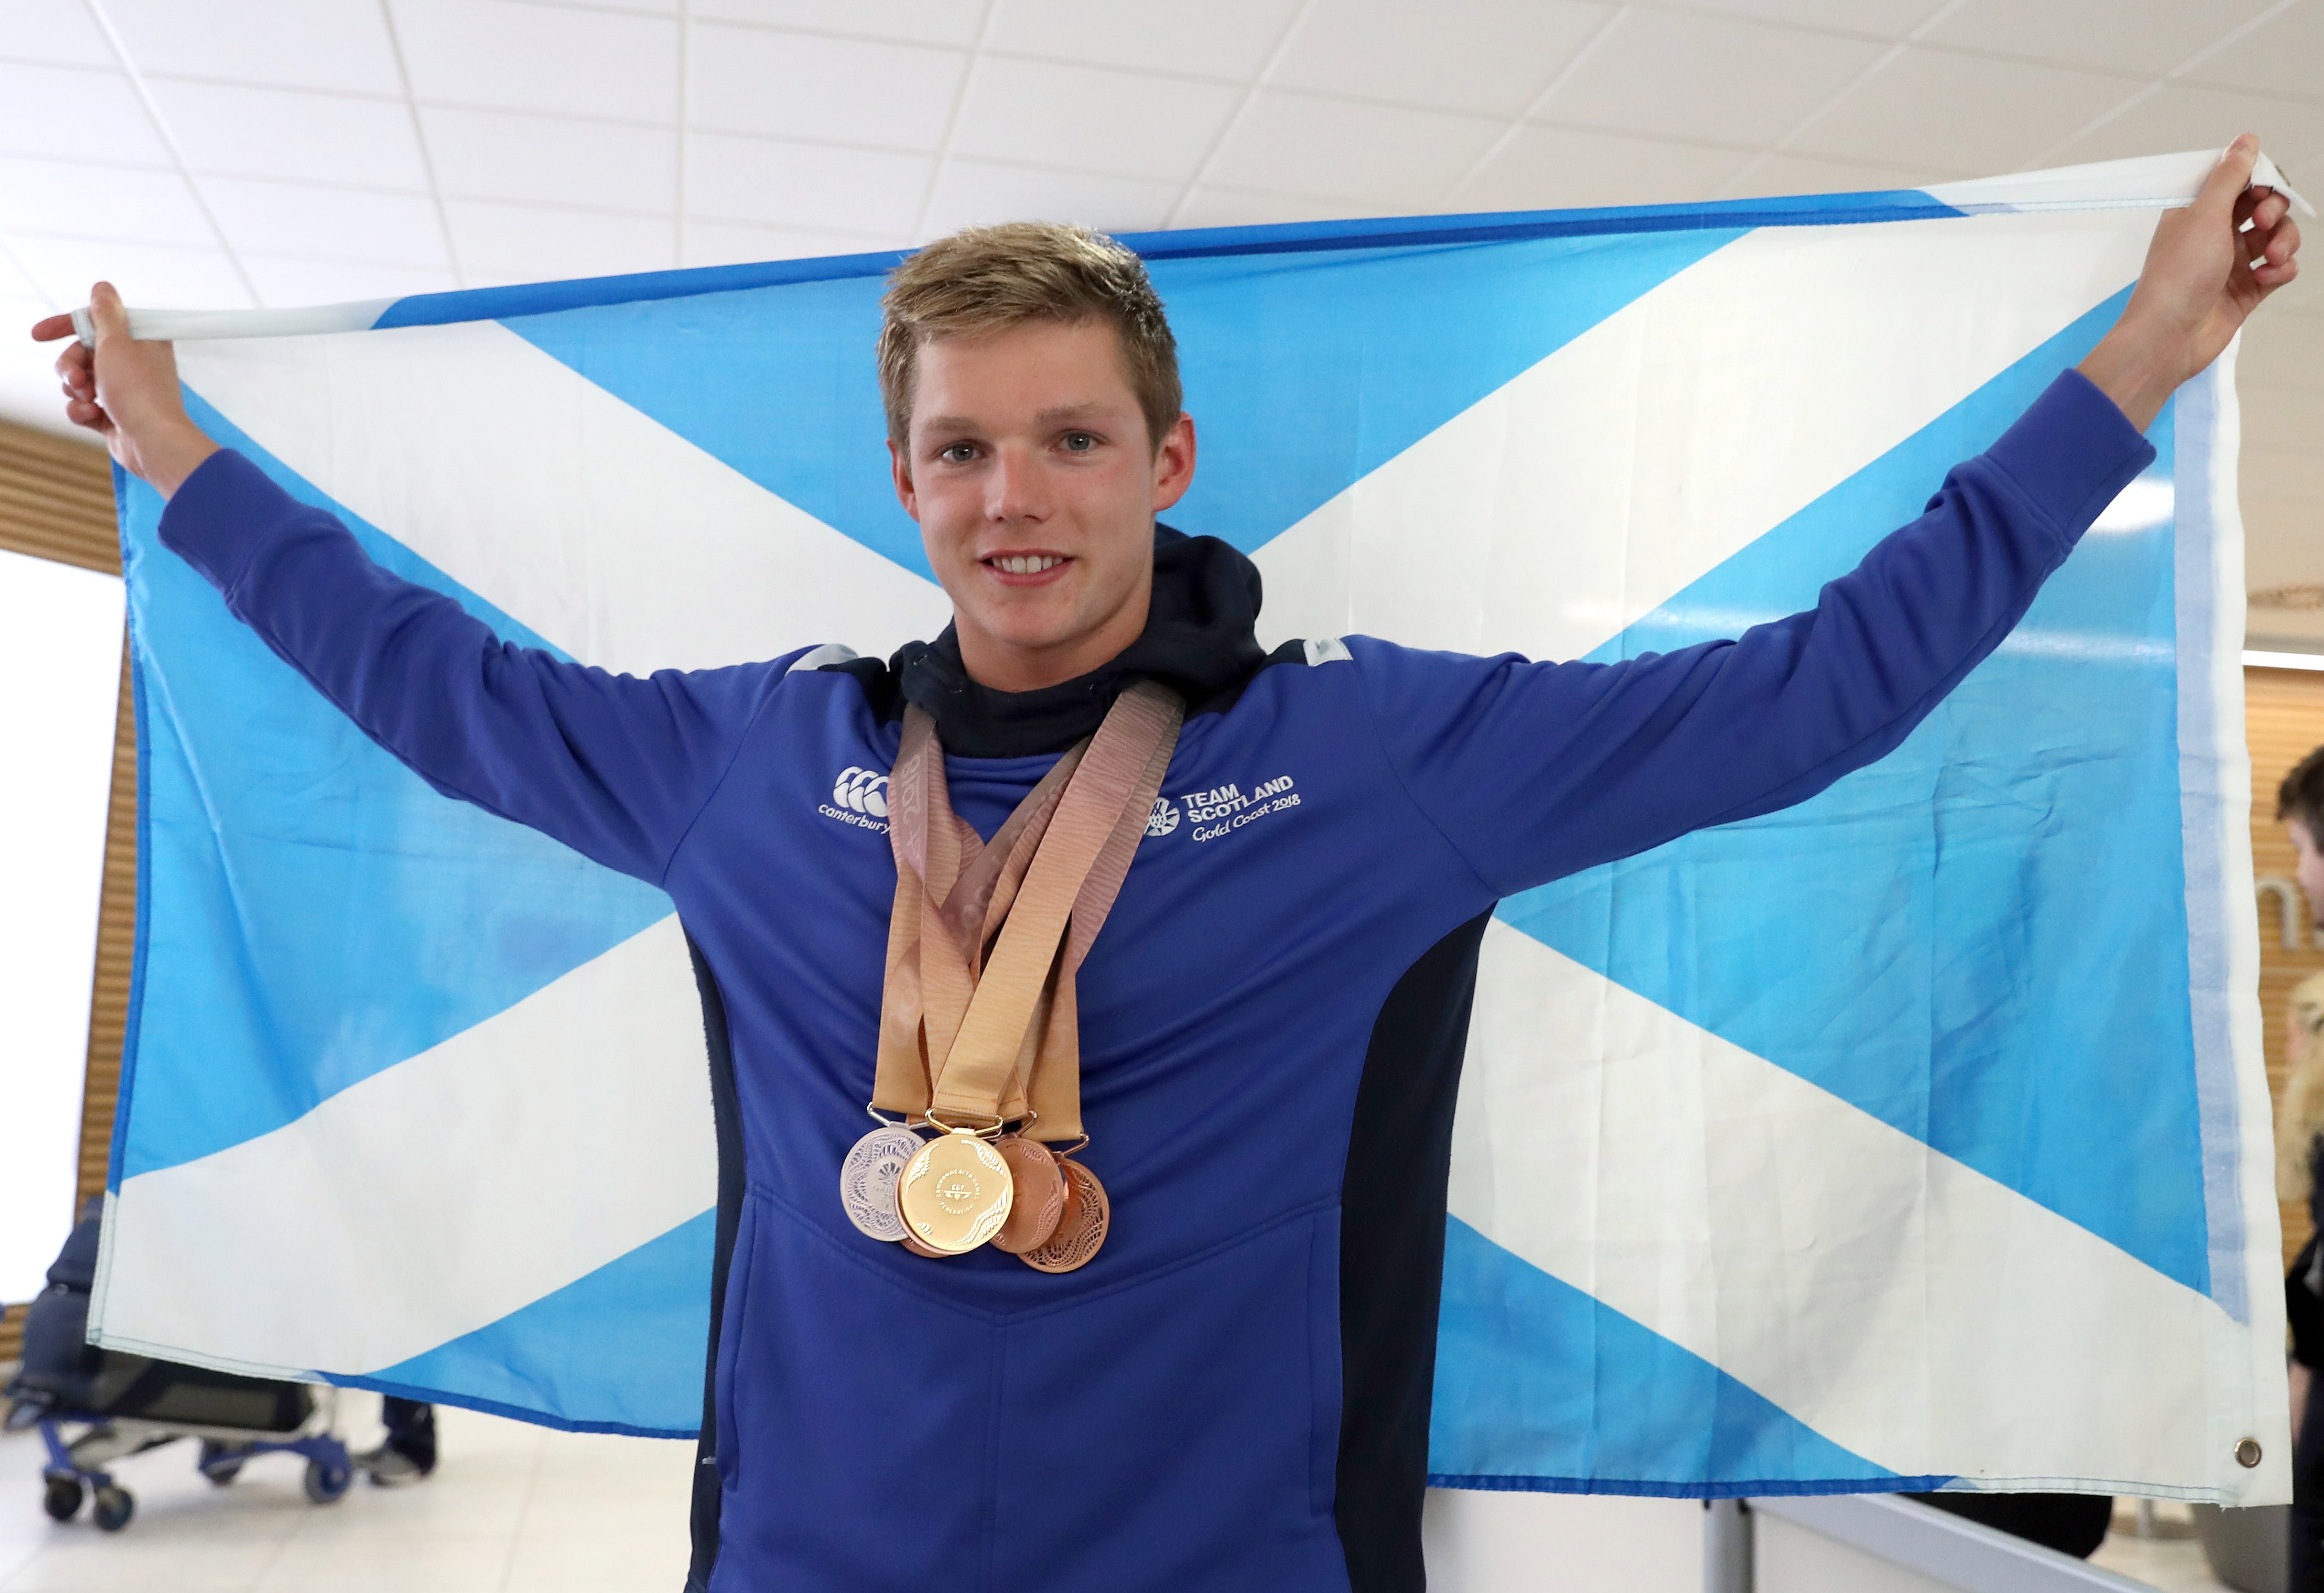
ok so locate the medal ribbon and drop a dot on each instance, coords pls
(978, 1019)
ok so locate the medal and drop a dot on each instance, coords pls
(867, 1180)
(955, 1192)
(1040, 1198)
(1081, 1231)
(978, 1021)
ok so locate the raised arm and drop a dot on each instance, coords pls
(1537, 770)
(613, 765)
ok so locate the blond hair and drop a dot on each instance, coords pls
(2299, 1120)
(988, 279)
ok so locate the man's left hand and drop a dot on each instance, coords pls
(2205, 272)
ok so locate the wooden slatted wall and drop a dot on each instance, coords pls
(55, 501)
(2283, 714)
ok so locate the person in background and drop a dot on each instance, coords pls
(2299, 1163)
(408, 1453)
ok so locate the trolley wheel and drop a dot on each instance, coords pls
(221, 1462)
(114, 1509)
(326, 1482)
(63, 1500)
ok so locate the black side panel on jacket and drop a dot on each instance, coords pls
(1392, 1260)
(730, 1216)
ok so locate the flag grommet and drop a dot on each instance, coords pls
(2248, 1452)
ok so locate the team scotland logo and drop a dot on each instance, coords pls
(1162, 819)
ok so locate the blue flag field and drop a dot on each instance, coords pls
(1914, 1136)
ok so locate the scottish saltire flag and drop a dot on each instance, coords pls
(1914, 1136)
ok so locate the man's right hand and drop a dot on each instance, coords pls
(127, 393)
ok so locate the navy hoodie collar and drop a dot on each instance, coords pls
(1199, 641)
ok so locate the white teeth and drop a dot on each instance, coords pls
(1025, 564)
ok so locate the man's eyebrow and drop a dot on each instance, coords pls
(1072, 412)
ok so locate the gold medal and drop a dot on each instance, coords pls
(1039, 1197)
(1081, 1231)
(956, 1193)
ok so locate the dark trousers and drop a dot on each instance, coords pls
(2308, 1496)
(411, 1429)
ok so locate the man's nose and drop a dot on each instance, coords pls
(1013, 488)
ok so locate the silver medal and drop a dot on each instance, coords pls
(867, 1180)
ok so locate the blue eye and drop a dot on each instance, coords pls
(1079, 442)
(958, 454)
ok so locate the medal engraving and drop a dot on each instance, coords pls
(867, 1180)
(1040, 1198)
(1082, 1227)
(956, 1193)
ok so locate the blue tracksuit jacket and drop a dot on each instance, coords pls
(1234, 1395)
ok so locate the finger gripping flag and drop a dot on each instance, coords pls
(1912, 1137)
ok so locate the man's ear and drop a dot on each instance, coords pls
(901, 469)
(1174, 463)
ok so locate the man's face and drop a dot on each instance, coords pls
(2311, 869)
(1035, 486)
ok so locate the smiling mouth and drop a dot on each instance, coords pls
(1023, 564)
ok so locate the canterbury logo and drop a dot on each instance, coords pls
(860, 790)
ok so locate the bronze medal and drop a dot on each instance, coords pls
(867, 1181)
(956, 1193)
(1082, 1227)
(1040, 1199)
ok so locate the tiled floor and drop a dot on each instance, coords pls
(510, 1509)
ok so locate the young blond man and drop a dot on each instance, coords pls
(1234, 1393)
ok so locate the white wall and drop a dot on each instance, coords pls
(59, 671)
(1517, 1543)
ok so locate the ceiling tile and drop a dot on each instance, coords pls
(1801, 174)
(1090, 119)
(1706, 78)
(1298, 143)
(2283, 55)
(540, 58)
(15, 288)
(1210, 205)
(146, 273)
(974, 193)
(551, 160)
(283, 281)
(1557, 167)
(1222, 38)
(1489, 57)
(81, 115)
(533, 243)
(831, 90)
(58, 31)
(337, 44)
(713, 243)
(285, 133)
(1879, 19)
(1967, 113)
(2180, 116)
(912, 21)
(804, 187)
(2141, 38)
(303, 221)
(134, 204)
